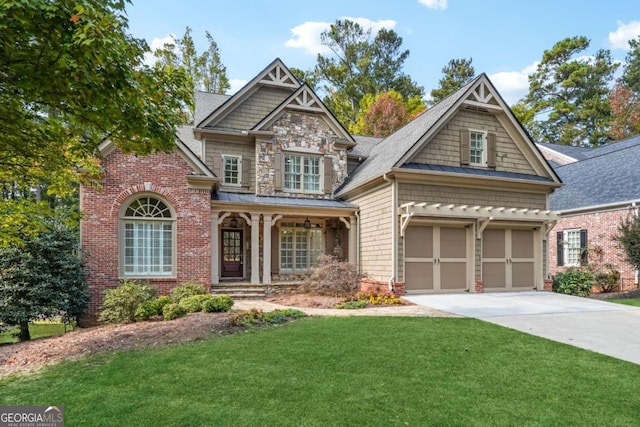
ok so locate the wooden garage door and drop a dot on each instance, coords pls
(436, 258)
(508, 260)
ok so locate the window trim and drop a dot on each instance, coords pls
(567, 248)
(123, 220)
(485, 147)
(294, 227)
(303, 157)
(224, 170)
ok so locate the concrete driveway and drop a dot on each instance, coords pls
(603, 327)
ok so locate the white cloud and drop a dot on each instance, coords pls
(619, 39)
(157, 43)
(434, 4)
(307, 36)
(513, 85)
(236, 85)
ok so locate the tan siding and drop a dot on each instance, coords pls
(255, 108)
(245, 149)
(469, 196)
(375, 233)
(444, 148)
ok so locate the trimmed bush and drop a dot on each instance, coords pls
(120, 304)
(146, 310)
(217, 303)
(187, 289)
(161, 302)
(173, 311)
(574, 281)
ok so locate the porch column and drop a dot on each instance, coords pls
(353, 241)
(266, 246)
(255, 249)
(215, 245)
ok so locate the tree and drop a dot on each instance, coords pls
(71, 76)
(631, 75)
(457, 73)
(43, 278)
(568, 95)
(307, 76)
(360, 65)
(382, 114)
(205, 71)
(625, 106)
(629, 237)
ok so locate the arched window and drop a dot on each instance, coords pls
(149, 238)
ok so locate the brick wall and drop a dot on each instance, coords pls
(602, 227)
(162, 175)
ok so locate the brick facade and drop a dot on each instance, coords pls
(603, 249)
(163, 175)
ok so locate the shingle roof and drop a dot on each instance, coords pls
(474, 171)
(280, 201)
(185, 133)
(388, 152)
(613, 146)
(206, 103)
(577, 153)
(602, 179)
(365, 145)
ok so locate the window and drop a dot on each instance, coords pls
(231, 170)
(302, 173)
(148, 245)
(477, 151)
(572, 247)
(300, 248)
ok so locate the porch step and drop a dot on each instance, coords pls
(240, 290)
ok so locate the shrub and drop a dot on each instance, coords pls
(187, 289)
(253, 316)
(334, 278)
(161, 302)
(146, 310)
(173, 311)
(120, 304)
(193, 303)
(217, 303)
(607, 282)
(353, 305)
(574, 281)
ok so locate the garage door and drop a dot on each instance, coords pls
(508, 261)
(435, 258)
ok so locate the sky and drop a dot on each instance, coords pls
(505, 38)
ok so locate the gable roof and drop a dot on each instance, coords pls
(274, 74)
(206, 103)
(398, 147)
(304, 99)
(608, 178)
(364, 145)
(570, 152)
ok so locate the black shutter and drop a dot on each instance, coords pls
(560, 248)
(584, 250)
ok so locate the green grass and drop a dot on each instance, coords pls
(36, 329)
(359, 371)
(627, 301)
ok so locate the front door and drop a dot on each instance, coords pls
(232, 253)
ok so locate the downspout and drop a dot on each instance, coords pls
(358, 268)
(394, 232)
(636, 273)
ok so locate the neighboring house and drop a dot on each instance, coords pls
(601, 189)
(267, 180)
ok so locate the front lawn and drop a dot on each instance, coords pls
(355, 371)
(36, 329)
(627, 301)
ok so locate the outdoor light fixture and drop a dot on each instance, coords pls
(234, 222)
(307, 224)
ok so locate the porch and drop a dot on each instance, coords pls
(274, 241)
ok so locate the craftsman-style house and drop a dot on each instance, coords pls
(267, 180)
